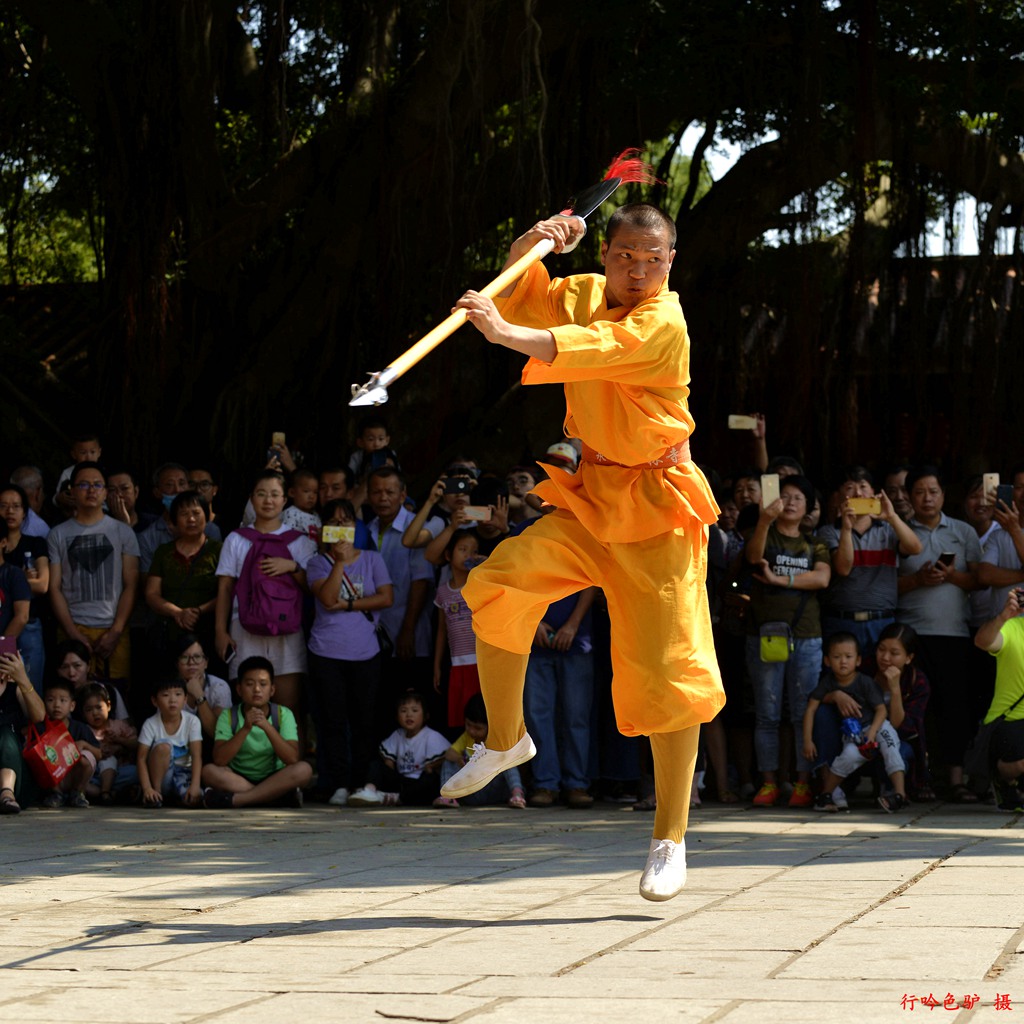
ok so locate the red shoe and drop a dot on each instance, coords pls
(801, 796)
(767, 795)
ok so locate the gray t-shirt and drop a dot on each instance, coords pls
(863, 689)
(943, 610)
(871, 584)
(90, 559)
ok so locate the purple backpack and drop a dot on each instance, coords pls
(268, 605)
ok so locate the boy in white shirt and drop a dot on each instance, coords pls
(170, 757)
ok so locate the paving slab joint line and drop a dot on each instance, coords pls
(721, 1012)
(892, 895)
(214, 1014)
(686, 915)
(1010, 949)
(483, 1008)
(706, 907)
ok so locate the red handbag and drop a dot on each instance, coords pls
(49, 754)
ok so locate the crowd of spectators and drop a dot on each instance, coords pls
(318, 646)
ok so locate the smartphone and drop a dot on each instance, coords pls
(458, 485)
(8, 645)
(277, 439)
(230, 656)
(989, 486)
(865, 506)
(478, 513)
(334, 534)
(947, 558)
(738, 422)
(1004, 493)
(378, 459)
(769, 488)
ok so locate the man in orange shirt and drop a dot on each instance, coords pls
(633, 520)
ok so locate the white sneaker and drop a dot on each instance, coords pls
(665, 872)
(339, 798)
(368, 796)
(485, 764)
(839, 799)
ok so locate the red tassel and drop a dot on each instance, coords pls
(628, 168)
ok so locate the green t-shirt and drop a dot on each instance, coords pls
(256, 759)
(789, 556)
(1009, 673)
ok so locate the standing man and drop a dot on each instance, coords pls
(408, 619)
(94, 573)
(634, 519)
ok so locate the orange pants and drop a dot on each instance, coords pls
(666, 674)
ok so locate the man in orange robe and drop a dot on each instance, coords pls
(633, 520)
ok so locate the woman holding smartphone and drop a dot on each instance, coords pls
(791, 570)
(350, 587)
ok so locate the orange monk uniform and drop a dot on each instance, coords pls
(633, 520)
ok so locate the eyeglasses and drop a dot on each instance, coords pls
(192, 659)
(91, 485)
(200, 485)
(11, 506)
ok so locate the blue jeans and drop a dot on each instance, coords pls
(867, 633)
(557, 699)
(798, 677)
(30, 644)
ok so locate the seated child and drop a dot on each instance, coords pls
(59, 701)
(406, 771)
(170, 752)
(506, 787)
(116, 771)
(256, 758)
(301, 514)
(842, 658)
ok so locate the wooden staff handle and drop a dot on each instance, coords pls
(411, 356)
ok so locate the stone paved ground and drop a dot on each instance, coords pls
(507, 917)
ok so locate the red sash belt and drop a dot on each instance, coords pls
(673, 457)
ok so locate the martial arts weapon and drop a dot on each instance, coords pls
(626, 167)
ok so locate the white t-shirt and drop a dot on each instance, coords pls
(190, 731)
(412, 754)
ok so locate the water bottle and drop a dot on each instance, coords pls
(30, 566)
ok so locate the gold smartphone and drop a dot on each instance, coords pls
(277, 439)
(769, 488)
(865, 506)
(478, 513)
(334, 534)
(739, 422)
(989, 487)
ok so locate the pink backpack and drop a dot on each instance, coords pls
(268, 605)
